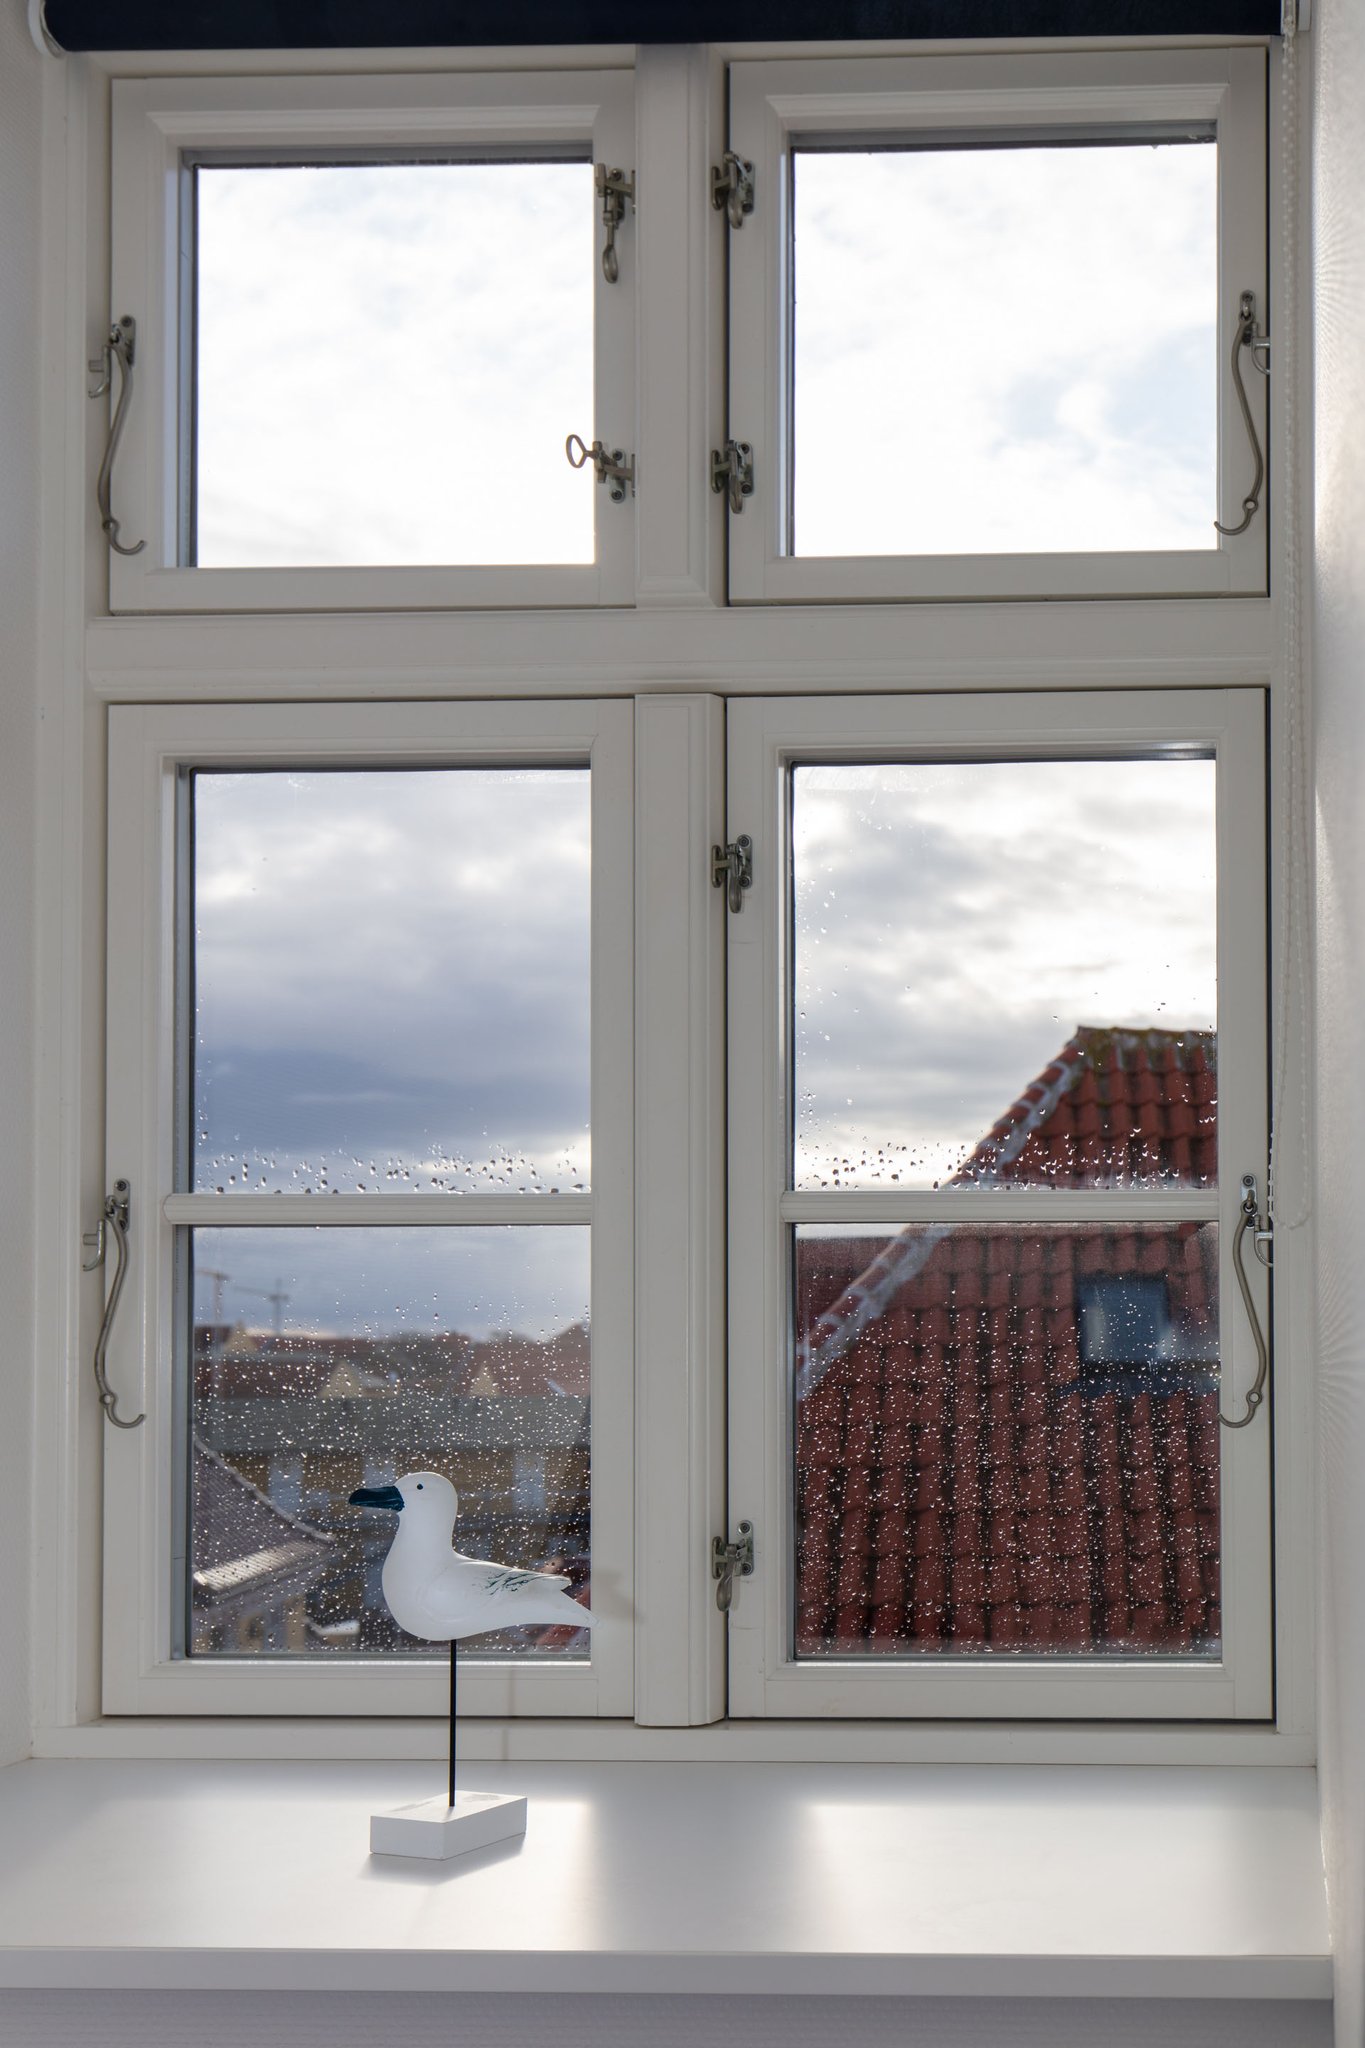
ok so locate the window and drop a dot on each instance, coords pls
(369, 312)
(995, 1001)
(888, 1200)
(983, 312)
(414, 269)
(381, 1166)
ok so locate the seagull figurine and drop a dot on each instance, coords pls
(439, 1594)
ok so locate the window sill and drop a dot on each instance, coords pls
(909, 1880)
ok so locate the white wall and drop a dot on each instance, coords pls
(1339, 685)
(20, 102)
(73, 2019)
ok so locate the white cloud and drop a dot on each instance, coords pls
(1005, 349)
(392, 978)
(955, 922)
(389, 359)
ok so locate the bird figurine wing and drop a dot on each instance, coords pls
(469, 1595)
(508, 1578)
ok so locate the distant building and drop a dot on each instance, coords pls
(287, 1426)
(252, 1566)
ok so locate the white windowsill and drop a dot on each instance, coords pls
(914, 1879)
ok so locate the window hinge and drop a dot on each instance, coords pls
(732, 187)
(727, 1559)
(732, 471)
(732, 867)
(616, 190)
(615, 469)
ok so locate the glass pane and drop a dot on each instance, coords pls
(1007, 1441)
(1005, 972)
(391, 980)
(325, 1360)
(1003, 350)
(389, 357)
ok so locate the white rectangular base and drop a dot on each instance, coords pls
(435, 1830)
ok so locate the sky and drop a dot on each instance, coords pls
(380, 1283)
(392, 994)
(955, 922)
(390, 357)
(995, 349)
(1005, 349)
(1017, 346)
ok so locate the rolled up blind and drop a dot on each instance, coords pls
(451, 24)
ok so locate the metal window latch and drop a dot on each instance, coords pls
(732, 471)
(1262, 1232)
(615, 470)
(727, 1559)
(121, 348)
(115, 1215)
(732, 187)
(616, 190)
(732, 868)
(1257, 346)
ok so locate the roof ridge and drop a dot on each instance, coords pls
(290, 1521)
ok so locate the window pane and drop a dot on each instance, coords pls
(1005, 972)
(1006, 1440)
(391, 980)
(389, 357)
(1005, 349)
(324, 1360)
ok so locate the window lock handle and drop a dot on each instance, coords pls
(120, 347)
(1257, 345)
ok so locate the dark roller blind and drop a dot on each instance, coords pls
(360, 24)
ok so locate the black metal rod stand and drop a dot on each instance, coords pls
(451, 1780)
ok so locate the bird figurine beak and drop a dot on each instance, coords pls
(377, 1497)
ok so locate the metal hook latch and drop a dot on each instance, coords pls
(1246, 337)
(1250, 1219)
(120, 348)
(616, 190)
(727, 1559)
(732, 187)
(732, 471)
(616, 469)
(732, 868)
(117, 1209)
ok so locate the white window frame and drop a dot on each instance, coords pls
(774, 105)
(148, 747)
(157, 124)
(764, 738)
(682, 648)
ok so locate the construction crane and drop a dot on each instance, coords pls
(276, 1296)
(219, 1280)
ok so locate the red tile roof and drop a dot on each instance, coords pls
(966, 1480)
(1114, 1109)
